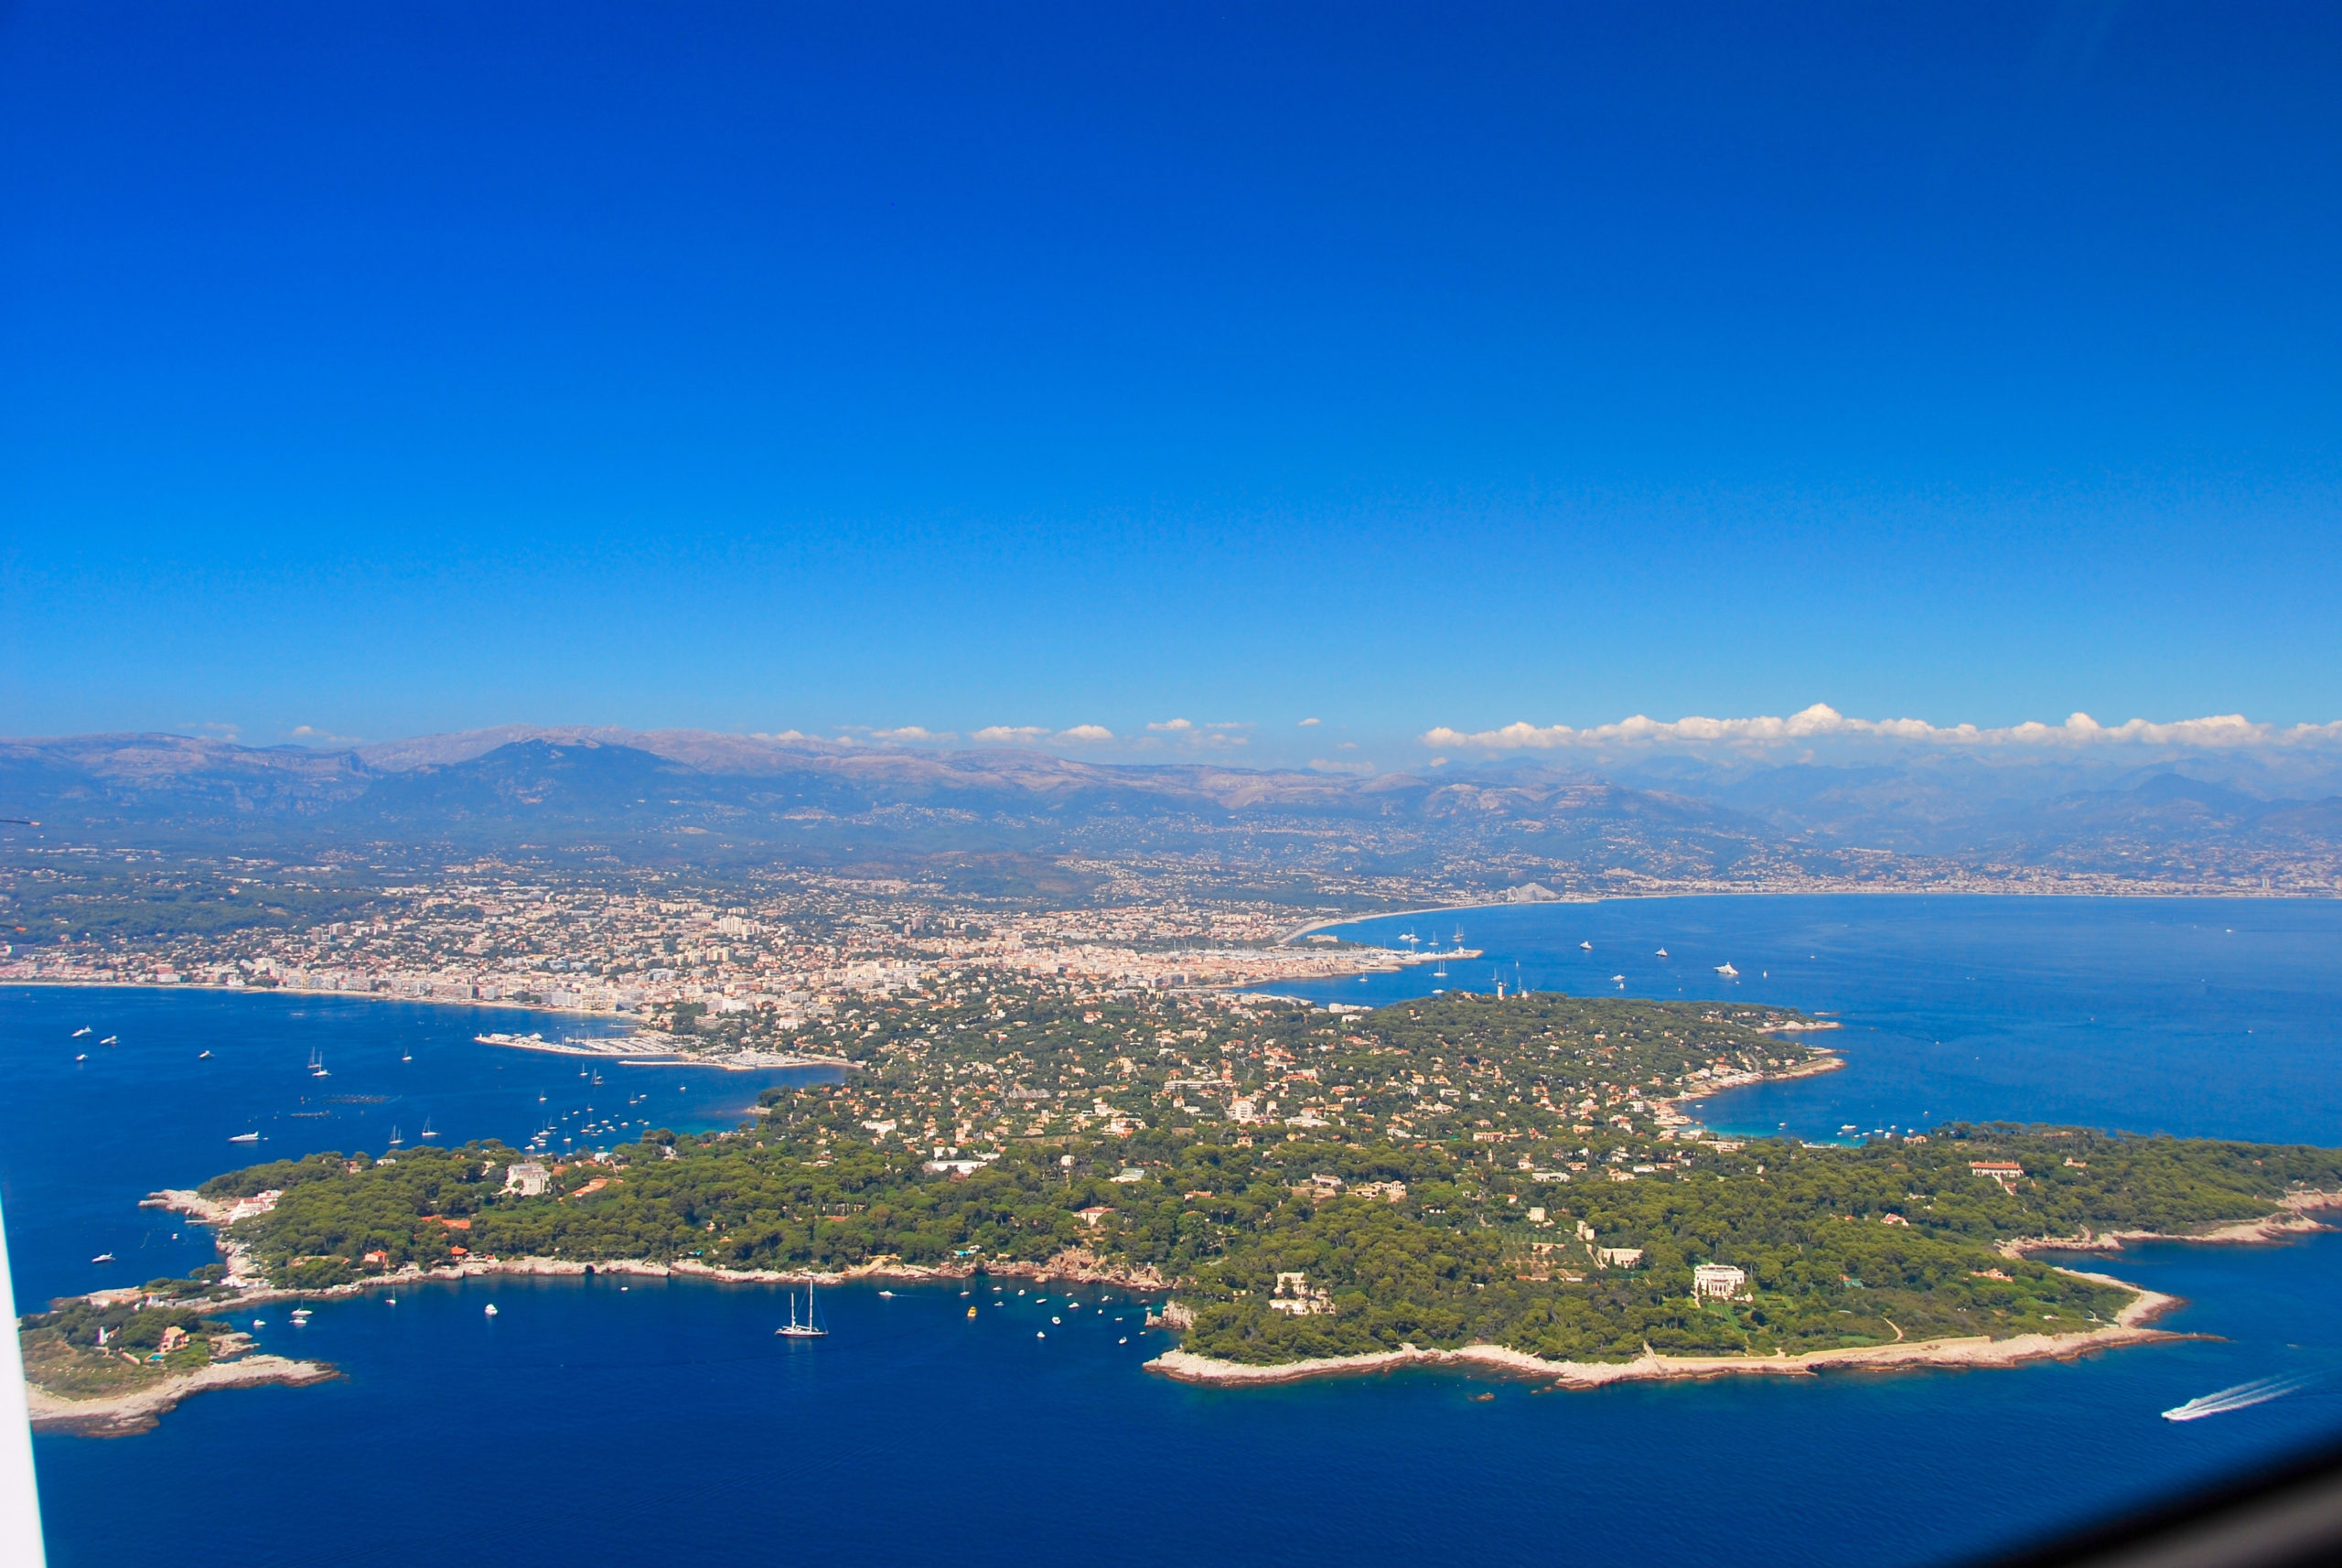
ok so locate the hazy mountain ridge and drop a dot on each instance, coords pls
(680, 792)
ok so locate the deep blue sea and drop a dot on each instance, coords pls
(598, 1420)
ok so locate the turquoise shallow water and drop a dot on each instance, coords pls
(585, 1422)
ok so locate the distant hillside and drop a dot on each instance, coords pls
(665, 795)
(679, 793)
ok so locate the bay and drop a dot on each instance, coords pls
(592, 1419)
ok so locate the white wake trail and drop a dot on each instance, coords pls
(2244, 1396)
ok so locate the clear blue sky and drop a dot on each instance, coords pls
(391, 367)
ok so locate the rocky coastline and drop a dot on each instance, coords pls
(137, 1410)
(1973, 1350)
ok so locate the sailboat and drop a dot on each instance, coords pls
(427, 1128)
(318, 1063)
(396, 1139)
(1441, 972)
(406, 1056)
(808, 1329)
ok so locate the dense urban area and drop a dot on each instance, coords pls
(784, 953)
(666, 945)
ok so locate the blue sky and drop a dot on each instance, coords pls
(386, 369)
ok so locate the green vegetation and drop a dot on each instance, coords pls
(89, 897)
(79, 1349)
(1438, 1173)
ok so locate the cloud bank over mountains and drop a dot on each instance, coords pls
(1821, 722)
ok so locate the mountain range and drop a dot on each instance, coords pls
(670, 794)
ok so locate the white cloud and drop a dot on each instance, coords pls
(1310, 723)
(1172, 724)
(913, 732)
(1086, 733)
(1823, 722)
(1229, 725)
(997, 735)
(784, 735)
(309, 734)
(1327, 765)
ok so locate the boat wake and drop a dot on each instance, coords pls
(2244, 1396)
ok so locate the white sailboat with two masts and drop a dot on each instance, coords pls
(810, 1329)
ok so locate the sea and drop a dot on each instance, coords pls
(603, 1419)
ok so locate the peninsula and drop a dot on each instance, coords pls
(1518, 1182)
(110, 1364)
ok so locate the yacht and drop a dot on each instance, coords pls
(807, 1329)
(246, 1138)
(102, 1258)
(77, 1034)
(80, 1056)
(1587, 946)
(1727, 971)
(1661, 953)
(111, 1040)
(203, 1055)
